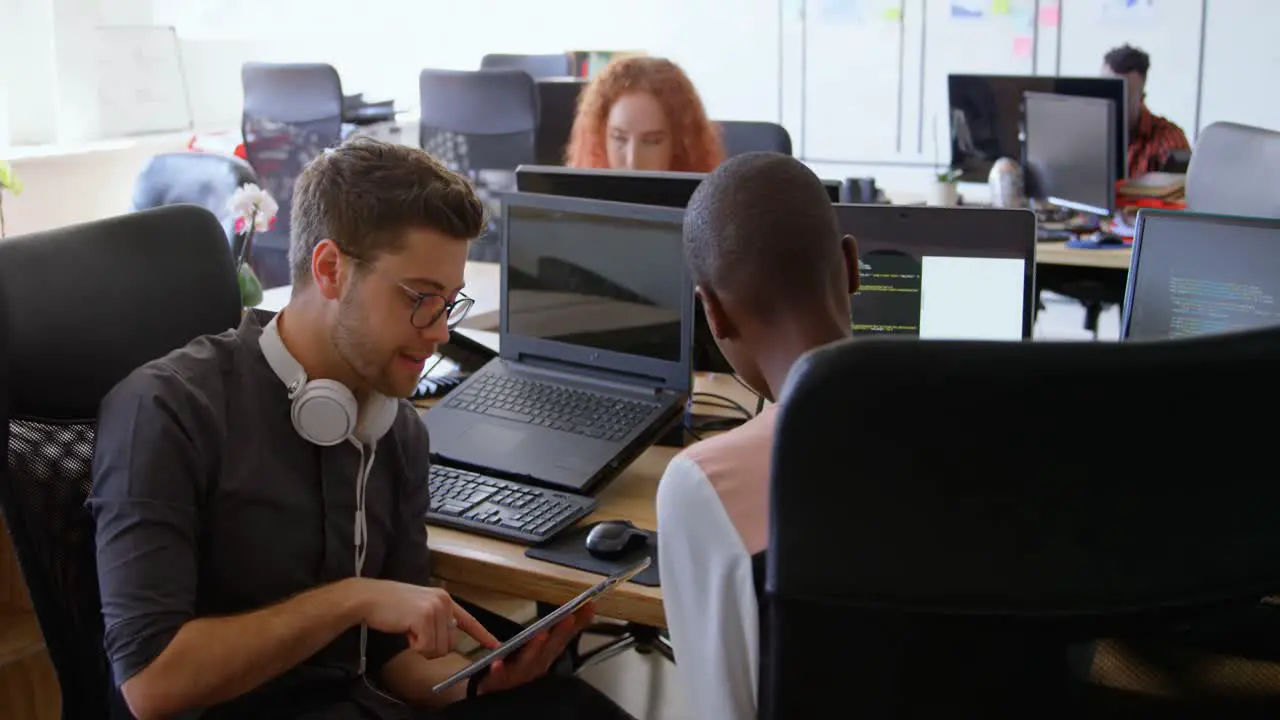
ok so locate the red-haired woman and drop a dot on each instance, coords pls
(643, 113)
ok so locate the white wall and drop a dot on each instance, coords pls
(857, 82)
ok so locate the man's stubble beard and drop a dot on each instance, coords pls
(351, 341)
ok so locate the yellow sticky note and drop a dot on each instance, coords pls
(1000, 7)
(893, 14)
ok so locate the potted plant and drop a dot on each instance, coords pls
(254, 211)
(8, 181)
(944, 191)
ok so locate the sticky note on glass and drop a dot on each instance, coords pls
(892, 14)
(1050, 15)
(1022, 46)
(1000, 7)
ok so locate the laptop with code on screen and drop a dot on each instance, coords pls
(1200, 274)
(943, 272)
(595, 349)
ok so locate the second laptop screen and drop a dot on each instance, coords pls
(603, 282)
(962, 279)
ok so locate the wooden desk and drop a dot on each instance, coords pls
(484, 285)
(473, 561)
(28, 684)
(1057, 253)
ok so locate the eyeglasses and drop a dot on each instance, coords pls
(428, 308)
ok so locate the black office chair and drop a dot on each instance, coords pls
(557, 109)
(538, 66)
(292, 113)
(80, 308)
(744, 137)
(481, 120)
(478, 121)
(1233, 171)
(935, 551)
(205, 179)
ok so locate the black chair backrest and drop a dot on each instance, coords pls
(743, 137)
(1232, 171)
(478, 120)
(292, 113)
(934, 546)
(193, 178)
(82, 307)
(538, 66)
(557, 109)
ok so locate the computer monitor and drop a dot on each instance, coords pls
(644, 187)
(1068, 153)
(1199, 274)
(668, 189)
(986, 116)
(942, 272)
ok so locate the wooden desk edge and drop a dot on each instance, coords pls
(458, 559)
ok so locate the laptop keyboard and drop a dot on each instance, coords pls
(580, 412)
(501, 508)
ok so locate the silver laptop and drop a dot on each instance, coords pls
(943, 273)
(595, 346)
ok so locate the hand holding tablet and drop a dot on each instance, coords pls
(563, 624)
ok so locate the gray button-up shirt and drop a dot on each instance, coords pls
(207, 502)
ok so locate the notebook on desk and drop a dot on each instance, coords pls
(595, 351)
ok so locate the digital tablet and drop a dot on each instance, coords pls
(545, 623)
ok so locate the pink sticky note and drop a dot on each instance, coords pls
(1049, 15)
(1022, 46)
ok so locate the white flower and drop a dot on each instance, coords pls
(251, 202)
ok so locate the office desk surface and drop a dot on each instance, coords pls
(484, 285)
(1057, 253)
(499, 566)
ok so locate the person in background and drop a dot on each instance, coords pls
(259, 494)
(1151, 137)
(774, 275)
(643, 113)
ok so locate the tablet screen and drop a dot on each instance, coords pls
(545, 623)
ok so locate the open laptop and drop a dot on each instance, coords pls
(651, 187)
(943, 272)
(1201, 274)
(595, 346)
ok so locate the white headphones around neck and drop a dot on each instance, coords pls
(324, 411)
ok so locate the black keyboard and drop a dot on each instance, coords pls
(580, 412)
(502, 508)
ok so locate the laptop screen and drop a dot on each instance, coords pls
(597, 276)
(1196, 274)
(647, 187)
(942, 273)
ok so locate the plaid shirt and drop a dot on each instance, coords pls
(1151, 141)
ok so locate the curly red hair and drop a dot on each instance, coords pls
(696, 140)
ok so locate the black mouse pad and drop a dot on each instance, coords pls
(569, 549)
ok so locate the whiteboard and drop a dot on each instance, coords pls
(140, 82)
(1167, 30)
(1240, 43)
(851, 80)
(983, 37)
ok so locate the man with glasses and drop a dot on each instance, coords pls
(259, 495)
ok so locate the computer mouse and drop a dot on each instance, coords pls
(614, 538)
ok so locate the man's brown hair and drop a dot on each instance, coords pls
(365, 193)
